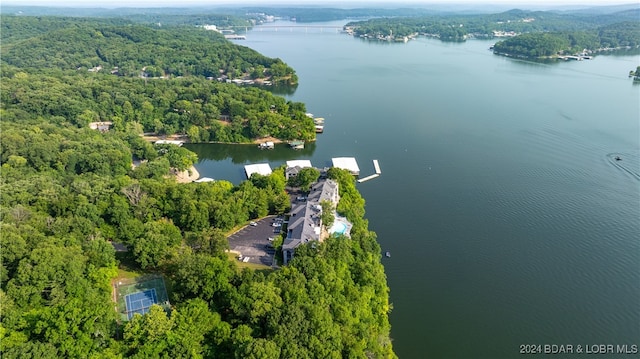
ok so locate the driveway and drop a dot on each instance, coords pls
(253, 241)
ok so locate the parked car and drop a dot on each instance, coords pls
(253, 224)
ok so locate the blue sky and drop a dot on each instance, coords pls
(332, 3)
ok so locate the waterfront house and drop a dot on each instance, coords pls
(294, 167)
(103, 126)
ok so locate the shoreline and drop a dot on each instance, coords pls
(185, 139)
(185, 177)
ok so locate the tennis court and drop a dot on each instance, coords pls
(137, 295)
(140, 302)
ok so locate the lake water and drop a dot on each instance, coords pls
(507, 216)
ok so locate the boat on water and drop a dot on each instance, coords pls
(319, 128)
(618, 158)
(387, 254)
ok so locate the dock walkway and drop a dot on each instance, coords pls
(376, 165)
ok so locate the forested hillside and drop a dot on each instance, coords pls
(545, 44)
(68, 193)
(455, 27)
(190, 105)
(87, 70)
(132, 50)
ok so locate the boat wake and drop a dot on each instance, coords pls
(628, 163)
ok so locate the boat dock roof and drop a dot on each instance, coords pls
(299, 163)
(259, 168)
(347, 163)
(204, 179)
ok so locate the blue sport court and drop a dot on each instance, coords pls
(140, 302)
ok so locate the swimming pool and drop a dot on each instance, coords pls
(339, 227)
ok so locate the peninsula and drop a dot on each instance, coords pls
(103, 258)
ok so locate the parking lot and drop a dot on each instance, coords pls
(252, 241)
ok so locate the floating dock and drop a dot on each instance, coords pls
(368, 178)
(297, 145)
(376, 165)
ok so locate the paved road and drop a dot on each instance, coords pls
(252, 241)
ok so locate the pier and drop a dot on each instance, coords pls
(368, 178)
(376, 165)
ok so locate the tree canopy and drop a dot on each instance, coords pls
(545, 44)
(70, 195)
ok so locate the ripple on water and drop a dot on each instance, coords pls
(627, 163)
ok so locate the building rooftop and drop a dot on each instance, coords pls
(304, 225)
(299, 163)
(347, 163)
(259, 168)
(204, 179)
(326, 190)
(304, 222)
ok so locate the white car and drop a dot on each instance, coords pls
(253, 224)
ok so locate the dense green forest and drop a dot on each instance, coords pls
(189, 105)
(546, 44)
(82, 44)
(68, 192)
(55, 73)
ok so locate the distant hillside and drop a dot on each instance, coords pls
(452, 27)
(72, 43)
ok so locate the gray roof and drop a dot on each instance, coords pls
(292, 171)
(304, 223)
(324, 190)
